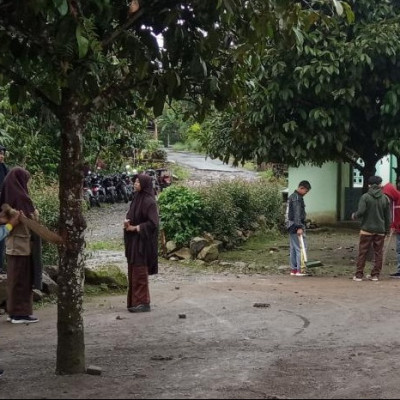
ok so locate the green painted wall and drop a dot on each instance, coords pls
(322, 200)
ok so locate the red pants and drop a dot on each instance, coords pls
(138, 286)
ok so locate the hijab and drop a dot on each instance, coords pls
(15, 191)
(141, 199)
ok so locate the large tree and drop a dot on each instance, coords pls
(333, 94)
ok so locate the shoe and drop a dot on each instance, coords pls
(1, 372)
(396, 275)
(140, 308)
(293, 272)
(375, 278)
(24, 319)
(301, 274)
(357, 279)
(9, 318)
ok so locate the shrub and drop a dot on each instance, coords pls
(45, 198)
(220, 211)
(181, 213)
(233, 206)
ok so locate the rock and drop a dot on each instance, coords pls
(49, 286)
(37, 295)
(183, 253)
(52, 271)
(196, 245)
(209, 253)
(93, 370)
(171, 246)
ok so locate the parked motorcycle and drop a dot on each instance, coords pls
(120, 188)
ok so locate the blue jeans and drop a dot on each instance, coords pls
(295, 251)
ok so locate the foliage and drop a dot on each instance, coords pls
(113, 136)
(237, 205)
(221, 209)
(332, 95)
(45, 198)
(30, 134)
(181, 213)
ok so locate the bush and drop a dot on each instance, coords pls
(44, 195)
(221, 212)
(181, 214)
(233, 206)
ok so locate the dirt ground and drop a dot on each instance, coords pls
(225, 335)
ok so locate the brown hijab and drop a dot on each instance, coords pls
(15, 191)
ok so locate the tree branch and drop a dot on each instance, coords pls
(123, 28)
(36, 92)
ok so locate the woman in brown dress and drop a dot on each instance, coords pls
(19, 249)
(141, 243)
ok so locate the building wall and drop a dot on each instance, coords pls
(322, 200)
(332, 187)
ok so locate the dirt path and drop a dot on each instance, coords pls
(314, 337)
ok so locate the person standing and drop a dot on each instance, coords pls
(21, 249)
(394, 195)
(374, 213)
(7, 225)
(295, 219)
(141, 243)
(3, 173)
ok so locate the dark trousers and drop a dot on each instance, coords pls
(2, 255)
(19, 285)
(377, 242)
(138, 289)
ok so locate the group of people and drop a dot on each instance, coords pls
(379, 215)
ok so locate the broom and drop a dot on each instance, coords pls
(308, 264)
(35, 226)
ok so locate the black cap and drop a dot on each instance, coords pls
(374, 180)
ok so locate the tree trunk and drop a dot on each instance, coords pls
(368, 170)
(71, 345)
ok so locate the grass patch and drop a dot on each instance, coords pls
(111, 245)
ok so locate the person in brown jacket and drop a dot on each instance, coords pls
(21, 259)
(141, 243)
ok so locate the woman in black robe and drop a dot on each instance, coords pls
(141, 243)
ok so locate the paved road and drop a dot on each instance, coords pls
(199, 161)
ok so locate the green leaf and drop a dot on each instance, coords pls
(338, 6)
(83, 43)
(62, 6)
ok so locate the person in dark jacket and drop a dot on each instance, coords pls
(295, 223)
(393, 194)
(141, 243)
(374, 213)
(3, 173)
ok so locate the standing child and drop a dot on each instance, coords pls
(295, 224)
(374, 213)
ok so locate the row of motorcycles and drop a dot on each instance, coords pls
(98, 188)
(118, 187)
